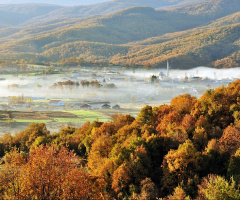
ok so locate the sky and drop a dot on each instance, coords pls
(57, 2)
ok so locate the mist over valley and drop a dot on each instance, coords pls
(90, 88)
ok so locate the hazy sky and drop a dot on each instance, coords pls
(57, 2)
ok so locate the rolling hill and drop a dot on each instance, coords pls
(197, 49)
(54, 2)
(154, 3)
(230, 19)
(201, 34)
(128, 25)
(14, 14)
(217, 47)
(125, 26)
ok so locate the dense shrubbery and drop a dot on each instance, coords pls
(188, 149)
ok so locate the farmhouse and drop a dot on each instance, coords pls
(98, 105)
(196, 78)
(56, 103)
(116, 107)
(106, 106)
(85, 106)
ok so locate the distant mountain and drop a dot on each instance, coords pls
(11, 16)
(54, 2)
(15, 15)
(128, 25)
(125, 26)
(212, 9)
(215, 47)
(158, 3)
(151, 3)
(202, 34)
(230, 19)
(203, 47)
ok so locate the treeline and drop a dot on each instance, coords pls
(70, 84)
(186, 150)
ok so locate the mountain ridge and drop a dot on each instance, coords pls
(137, 32)
(53, 2)
(103, 8)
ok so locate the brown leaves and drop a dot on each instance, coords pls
(230, 140)
(183, 104)
(10, 175)
(48, 174)
(121, 178)
(46, 170)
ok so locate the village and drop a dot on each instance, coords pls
(74, 95)
(42, 104)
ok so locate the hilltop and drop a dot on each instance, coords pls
(154, 3)
(20, 13)
(53, 2)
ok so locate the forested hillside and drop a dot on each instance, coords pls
(20, 12)
(152, 3)
(125, 26)
(14, 15)
(186, 150)
(137, 35)
(188, 36)
(201, 48)
(59, 2)
(217, 47)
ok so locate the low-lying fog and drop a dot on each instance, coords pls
(133, 87)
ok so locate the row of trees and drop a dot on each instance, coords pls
(186, 150)
(70, 84)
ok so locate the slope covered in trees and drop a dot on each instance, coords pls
(188, 149)
(137, 35)
(141, 22)
(59, 2)
(20, 12)
(15, 15)
(218, 47)
(196, 49)
(127, 25)
(155, 3)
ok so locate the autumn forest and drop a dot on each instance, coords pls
(186, 150)
(73, 61)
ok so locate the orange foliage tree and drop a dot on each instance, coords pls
(48, 174)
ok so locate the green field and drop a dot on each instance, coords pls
(85, 115)
(82, 116)
(56, 119)
(79, 120)
(32, 120)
